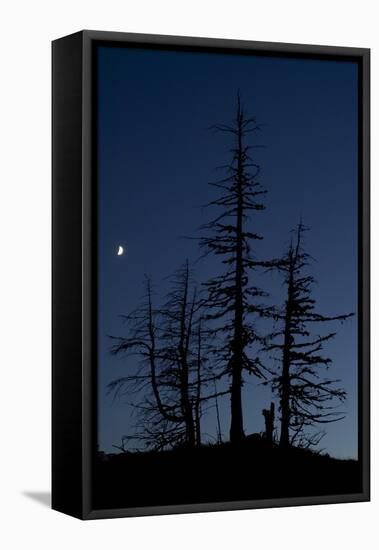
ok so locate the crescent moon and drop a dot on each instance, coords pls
(120, 251)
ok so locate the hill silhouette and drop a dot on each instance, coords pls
(220, 473)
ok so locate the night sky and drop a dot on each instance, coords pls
(156, 154)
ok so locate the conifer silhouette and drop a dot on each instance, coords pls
(307, 398)
(232, 300)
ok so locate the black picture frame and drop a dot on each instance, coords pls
(74, 266)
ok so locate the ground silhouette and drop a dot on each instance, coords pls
(216, 473)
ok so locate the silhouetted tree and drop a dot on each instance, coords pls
(231, 299)
(159, 423)
(172, 376)
(180, 354)
(306, 399)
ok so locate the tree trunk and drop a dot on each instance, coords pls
(198, 388)
(236, 427)
(184, 370)
(285, 386)
(269, 416)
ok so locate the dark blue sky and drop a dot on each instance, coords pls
(156, 155)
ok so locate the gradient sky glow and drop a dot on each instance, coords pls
(156, 155)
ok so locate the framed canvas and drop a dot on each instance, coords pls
(210, 275)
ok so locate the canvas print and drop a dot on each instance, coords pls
(227, 268)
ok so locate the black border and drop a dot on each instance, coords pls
(89, 254)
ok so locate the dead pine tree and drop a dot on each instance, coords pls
(185, 342)
(180, 350)
(231, 299)
(169, 385)
(147, 385)
(306, 397)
